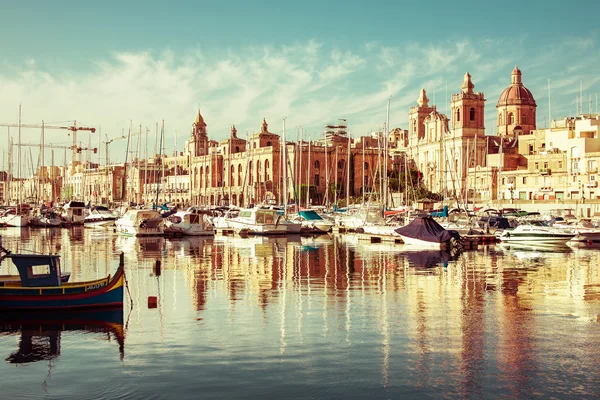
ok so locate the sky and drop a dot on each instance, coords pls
(117, 65)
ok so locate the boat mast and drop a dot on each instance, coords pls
(363, 170)
(335, 179)
(326, 200)
(348, 174)
(284, 156)
(385, 156)
(308, 177)
(300, 148)
(19, 194)
(162, 130)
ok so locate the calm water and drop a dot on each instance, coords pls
(312, 318)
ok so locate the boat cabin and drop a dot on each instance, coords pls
(39, 269)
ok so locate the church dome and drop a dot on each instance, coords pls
(516, 93)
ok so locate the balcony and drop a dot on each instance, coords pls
(592, 184)
(545, 189)
(545, 171)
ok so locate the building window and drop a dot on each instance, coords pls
(537, 165)
(545, 165)
(531, 147)
(560, 165)
(341, 164)
(414, 126)
(524, 180)
(316, 181)
(523, 119)
(458, 115)
(268, 144)
(499, 119)
(317, 164)
(366, 166)
(511, 119)
(472, 114)
(237, 149)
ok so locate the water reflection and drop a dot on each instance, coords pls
(40, 333)
(502, 321)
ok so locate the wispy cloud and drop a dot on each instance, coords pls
(310, 83)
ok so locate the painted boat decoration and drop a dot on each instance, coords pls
(41, 286)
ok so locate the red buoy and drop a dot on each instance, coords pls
(152, 301)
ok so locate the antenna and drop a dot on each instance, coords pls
(549, 107)
(581, 97)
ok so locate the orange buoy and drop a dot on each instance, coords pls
(152, 301)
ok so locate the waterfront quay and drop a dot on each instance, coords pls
(327, 316)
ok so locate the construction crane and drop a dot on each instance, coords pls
(73, 128)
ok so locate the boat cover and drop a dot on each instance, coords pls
(310, 215)
(425, 228)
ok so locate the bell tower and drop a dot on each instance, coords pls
(199, 140)
(416, 118)
(468, 109)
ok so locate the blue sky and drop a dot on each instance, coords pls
(106, 63)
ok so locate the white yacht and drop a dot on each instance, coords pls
(140, 223)
(257, 221)
(100, 216)
(191, 222)
(538, 232)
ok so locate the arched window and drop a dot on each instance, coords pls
(366, 166)
(237, 149)
(239, 178)
(511, 119)
(499, 119)
(266, 170)
(472, 114)
(201, 177)
(317, 164)
(341, 164)
(458, 115)
(232, 176)
(258, 171)
(268, 144)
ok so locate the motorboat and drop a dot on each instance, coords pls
(312, 222)
(191, 222)
(73, 213)
(17, 216)
(100, 216)
(426, 232)
(537, 232)
(257, 221)
(46, 219)
(139, 222)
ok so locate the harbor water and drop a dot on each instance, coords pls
(326, 317)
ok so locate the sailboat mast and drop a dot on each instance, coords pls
(43, 169)
(19, 161)
(326, 172)
(284, 156)
(300, 150)
(363, 170)
(385, 156)
(162, 130)
(335, 179)
(348, 174)
(308, 177)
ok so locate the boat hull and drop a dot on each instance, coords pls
(15, 221)
(423, 243)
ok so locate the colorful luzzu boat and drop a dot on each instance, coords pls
(40, 286)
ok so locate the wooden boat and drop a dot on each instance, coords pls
(41, 286)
